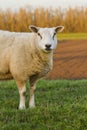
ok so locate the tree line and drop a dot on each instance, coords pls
(74, 20)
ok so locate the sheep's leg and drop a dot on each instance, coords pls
(22, 93)
(32, 90)
(32, 101)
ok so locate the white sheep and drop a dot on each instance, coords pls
(27, 56)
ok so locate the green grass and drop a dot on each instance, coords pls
(72, 36)
(60, 105)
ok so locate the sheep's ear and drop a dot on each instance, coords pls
(59, 29)
(33, 28)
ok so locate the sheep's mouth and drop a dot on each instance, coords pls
(48, 49)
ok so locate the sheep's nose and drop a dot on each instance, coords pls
(47, 45)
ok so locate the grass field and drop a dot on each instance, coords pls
(60, 105)
(72, 36)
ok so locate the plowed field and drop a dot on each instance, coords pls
(70, 60)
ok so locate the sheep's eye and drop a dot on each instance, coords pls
(54, 35)
(40, 35)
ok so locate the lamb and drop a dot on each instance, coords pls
(27, 56)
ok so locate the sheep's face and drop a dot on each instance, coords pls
(47, 40)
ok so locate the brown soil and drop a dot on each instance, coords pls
(70, 60)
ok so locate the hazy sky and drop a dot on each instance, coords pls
(43, 3)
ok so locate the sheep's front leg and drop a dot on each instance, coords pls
(22, 93)
(32, 101)
(32, 80)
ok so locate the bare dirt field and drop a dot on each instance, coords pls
(70, 60)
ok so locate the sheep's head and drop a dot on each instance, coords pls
(47, 40)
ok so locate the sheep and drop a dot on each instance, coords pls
(27, 56)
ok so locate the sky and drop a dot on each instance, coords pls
(16, 4)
